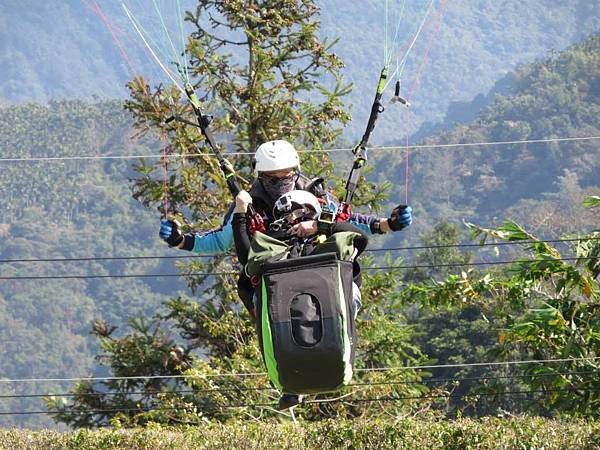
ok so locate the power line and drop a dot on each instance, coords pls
(254, 389)
(308, 402)
(448, 396)
(129, 378)
(233, 272)
(480, 378)
(387, 249)
(481, 263)
(257, 374)
(89, 411)
(478, 364)
(131, 275)
(99, 394)
(110, 258)
(330, 150)
(484, 244)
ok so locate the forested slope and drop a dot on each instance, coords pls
(68, 209)
(539, 184)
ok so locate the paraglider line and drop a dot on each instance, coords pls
(96, 8)
(156, 58)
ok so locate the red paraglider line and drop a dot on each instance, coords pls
(407, 155)
(436, 29)
(96, 8)
(111, 29)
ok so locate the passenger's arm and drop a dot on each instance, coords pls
(241, 237)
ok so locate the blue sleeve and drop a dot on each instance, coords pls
(216, 241)
(364, 222)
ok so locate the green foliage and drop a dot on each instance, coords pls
(593, 201)
(452, 329)
(490, 433)
(441, 260)
(549, 306)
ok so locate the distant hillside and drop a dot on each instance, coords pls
(68, 209)
(539, 184)
(62, 50)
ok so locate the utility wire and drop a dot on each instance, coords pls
(98, 394)
(481, 263)
(386, 249)
(131, 275)
(448, 396)
(331, 150)
(260, 374)
(484, 244)
(111, 258)
(233, 272)
(481, 378)
(478, 364)
(309, 402)
(90, 411)
(253, 389)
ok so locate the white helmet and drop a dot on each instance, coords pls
(303, 203)
(276, 155)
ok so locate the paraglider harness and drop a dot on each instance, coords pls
(305, 311)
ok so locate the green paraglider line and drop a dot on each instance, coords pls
(178, 63)
(183, 46)
(150, 49)
(401, 63)
(397, 32)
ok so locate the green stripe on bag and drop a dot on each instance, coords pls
(267, 339)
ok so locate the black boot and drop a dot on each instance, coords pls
(287, 401)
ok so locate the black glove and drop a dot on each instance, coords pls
(170, 232)
(400, 218)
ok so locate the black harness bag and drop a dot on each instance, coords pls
(305, 323)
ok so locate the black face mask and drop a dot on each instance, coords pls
(276, 187)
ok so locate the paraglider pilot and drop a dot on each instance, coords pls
(278, 168)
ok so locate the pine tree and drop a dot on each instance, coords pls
(278, 92)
